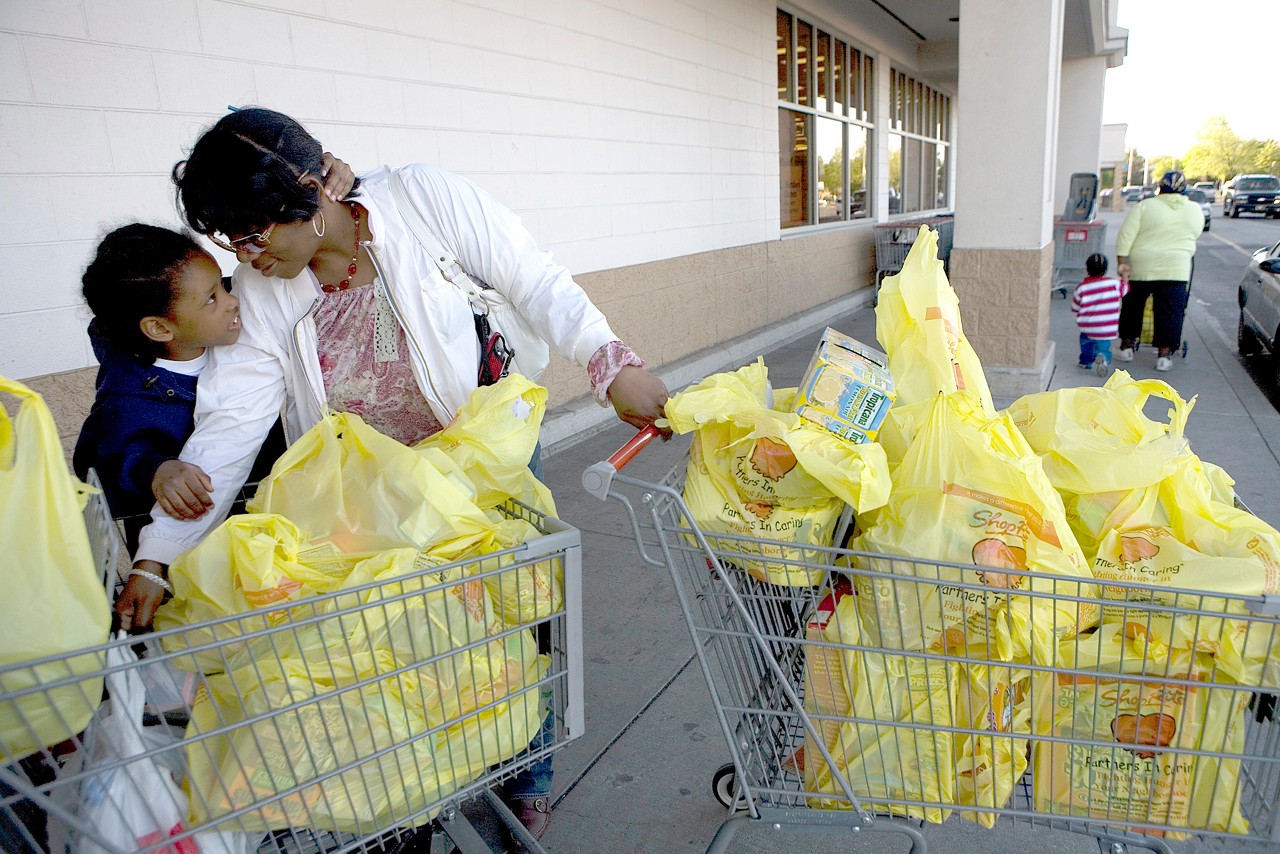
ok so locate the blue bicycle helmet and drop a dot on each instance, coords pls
(1173, 182)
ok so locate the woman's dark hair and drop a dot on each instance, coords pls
(243, 173)
(132, 277)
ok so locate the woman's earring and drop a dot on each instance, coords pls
(322, 229)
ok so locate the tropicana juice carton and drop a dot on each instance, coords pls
(847, 388)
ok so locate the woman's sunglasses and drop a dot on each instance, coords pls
(250, 244)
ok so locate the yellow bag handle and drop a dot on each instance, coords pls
(1136, 393)
(8, 434)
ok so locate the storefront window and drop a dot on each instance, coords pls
(919, 150)
(825, 121)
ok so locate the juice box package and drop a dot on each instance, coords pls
(847, 388)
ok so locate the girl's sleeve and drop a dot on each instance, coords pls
(125, 453)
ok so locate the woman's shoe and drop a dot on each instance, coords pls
(1125, 354)
(1164, 363)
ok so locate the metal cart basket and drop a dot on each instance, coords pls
(338, 731)
(1073, 243)
(777, 659)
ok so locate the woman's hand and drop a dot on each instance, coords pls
(338, 178)
(638, 397)
(182, 489)
(141, 597)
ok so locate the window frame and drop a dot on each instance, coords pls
(848, 98)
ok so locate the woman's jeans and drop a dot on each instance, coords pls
(1168, 307)
(535, 780)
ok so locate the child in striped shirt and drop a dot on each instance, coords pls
(1097, 309)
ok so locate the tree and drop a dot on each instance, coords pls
(1269, 157)
(1161, 165)
(830, 172)
(1218, 152)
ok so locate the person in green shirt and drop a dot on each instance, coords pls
(1153, 254)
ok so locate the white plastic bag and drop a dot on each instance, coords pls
(138, 804)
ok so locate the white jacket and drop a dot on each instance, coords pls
(274, 363)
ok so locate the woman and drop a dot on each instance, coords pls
(341, 305)
(1154, 251)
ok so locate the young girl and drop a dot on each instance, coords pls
(159, 302)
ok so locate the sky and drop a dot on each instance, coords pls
(1189, 60)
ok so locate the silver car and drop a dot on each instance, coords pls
(1199, 198)
(1259, 299)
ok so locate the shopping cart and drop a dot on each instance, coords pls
(285, 773)
(1073, 243)
(894, 239)
(767, 674)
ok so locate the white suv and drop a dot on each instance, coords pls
(1209, 190)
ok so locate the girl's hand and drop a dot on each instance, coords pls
(638, 397)
(182, 489)
(338, 178)
(140, 598)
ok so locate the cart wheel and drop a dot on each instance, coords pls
(1184, 349)
(724, 785)
(1108, 847)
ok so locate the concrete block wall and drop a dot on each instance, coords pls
(624, 134)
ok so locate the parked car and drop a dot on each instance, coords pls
(1199, 198)
(1259, 299)
(1132, 193)
(1252, 193)
(1210, 191)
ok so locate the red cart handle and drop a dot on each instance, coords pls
(597, 479)
(634, 445)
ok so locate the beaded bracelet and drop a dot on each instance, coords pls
(152, 577)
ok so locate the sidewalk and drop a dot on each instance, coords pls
(640, 779)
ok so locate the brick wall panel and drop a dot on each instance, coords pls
(90, 75)
(48, 17)
(236, 31)
(55, 266)
(184, 86)
(172, 24)
(15, 84)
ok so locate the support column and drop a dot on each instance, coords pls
(1079, 123)
(1006, 133)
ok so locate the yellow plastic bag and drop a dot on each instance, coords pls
(767, 474)
(339, 722)
(345, 484)
(1099, 447)
(907, 762)
(970, 491)
(894, 765)
(522, 595)
(53, 602)
(259, 566)
(1127, 780)
(492, 439)
(988, 766)
(1196, 543)
(918, 326)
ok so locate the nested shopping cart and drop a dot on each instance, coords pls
(1073, 243)
(309, 749)
(1092, 756)
(894, 241)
